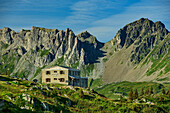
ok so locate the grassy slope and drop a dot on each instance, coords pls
(162, 62)
(113, 90)
(57, 99)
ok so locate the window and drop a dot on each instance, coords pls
(55, 78)
(61, 72)
(55, 71)
(48, 80)
(47, 72)
(61, 79)
(69, 72)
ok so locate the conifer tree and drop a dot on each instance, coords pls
(163, 91)
(147, 91)
(130, 94)
(151, 91)
(136, 94)
(142, 92)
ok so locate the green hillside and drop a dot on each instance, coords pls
(20, 96)
(114, 90)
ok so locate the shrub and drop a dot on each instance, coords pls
(168, 92)
(105, 59)
(163, 91)
(44, 52)
(81, 94)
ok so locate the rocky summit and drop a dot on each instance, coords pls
(138, 52)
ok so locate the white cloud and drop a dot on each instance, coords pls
(85, 14)
(90, 10)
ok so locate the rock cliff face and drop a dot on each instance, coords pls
(138, 52)
(28, 51)
(144, 34)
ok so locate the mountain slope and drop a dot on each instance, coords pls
(140, 53)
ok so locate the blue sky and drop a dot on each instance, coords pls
(102, 18)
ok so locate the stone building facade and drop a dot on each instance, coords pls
(64, 75)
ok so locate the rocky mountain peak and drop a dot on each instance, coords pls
(6, 29)
(41, 29)
(135, 30)
(159, 24)
(6, 35)
(85, 34)
(143, 20)
(87, 37)
(21, 30)
(69, 32)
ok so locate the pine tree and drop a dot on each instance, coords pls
(136, 94)
(151, 91)
(142, 92)
(147, 91)
(163, 91)
(130, 94)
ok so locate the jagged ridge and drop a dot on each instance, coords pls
(42, 47)
(130, 55)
